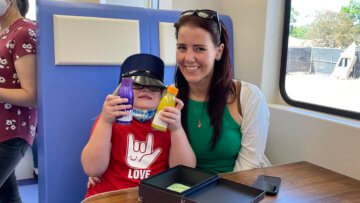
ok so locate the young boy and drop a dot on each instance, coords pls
(122, 155)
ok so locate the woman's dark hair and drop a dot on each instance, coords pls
(23, 6)
(221, 81)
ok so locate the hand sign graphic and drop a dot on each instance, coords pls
(140, 155)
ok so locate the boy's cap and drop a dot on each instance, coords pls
(144, 69)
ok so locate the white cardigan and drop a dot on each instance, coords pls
(254, 128)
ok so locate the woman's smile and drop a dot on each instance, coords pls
(191, 68)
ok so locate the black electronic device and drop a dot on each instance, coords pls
(269, 184)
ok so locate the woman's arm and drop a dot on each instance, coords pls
(180, 150)
(26, 72)
(95, 156)
(254, 128)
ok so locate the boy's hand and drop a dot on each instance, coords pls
(114, 107)
(92, 182)
(172, 116)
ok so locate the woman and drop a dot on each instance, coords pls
(17, 92)
(226, 120)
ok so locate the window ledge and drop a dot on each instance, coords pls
(318, 115)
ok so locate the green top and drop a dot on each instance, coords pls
(224, 154)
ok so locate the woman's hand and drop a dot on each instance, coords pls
(92, 182)
(172, 116)
(114, 107)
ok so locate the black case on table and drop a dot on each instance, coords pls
(205, 187)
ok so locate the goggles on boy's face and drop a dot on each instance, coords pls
(205, 14)
(137, 86)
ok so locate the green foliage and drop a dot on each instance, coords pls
(300, 32)
(293, 15)
(352, 10)
(334, 30)
(330, 29)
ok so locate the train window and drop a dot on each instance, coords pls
(135, 3)
(320, 66)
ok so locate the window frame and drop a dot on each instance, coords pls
(287, 99)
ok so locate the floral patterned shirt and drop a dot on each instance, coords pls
(18, 40)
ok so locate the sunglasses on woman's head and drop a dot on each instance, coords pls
(137, 86)
(205, 14)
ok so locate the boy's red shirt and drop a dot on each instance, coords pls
(137, 152)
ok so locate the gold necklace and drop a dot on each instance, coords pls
(199, 123)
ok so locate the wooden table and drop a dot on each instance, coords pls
(300, 182)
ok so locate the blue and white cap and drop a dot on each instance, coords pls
(144, 69)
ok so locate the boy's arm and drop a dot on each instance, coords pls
(180, 150)
(95, 156)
